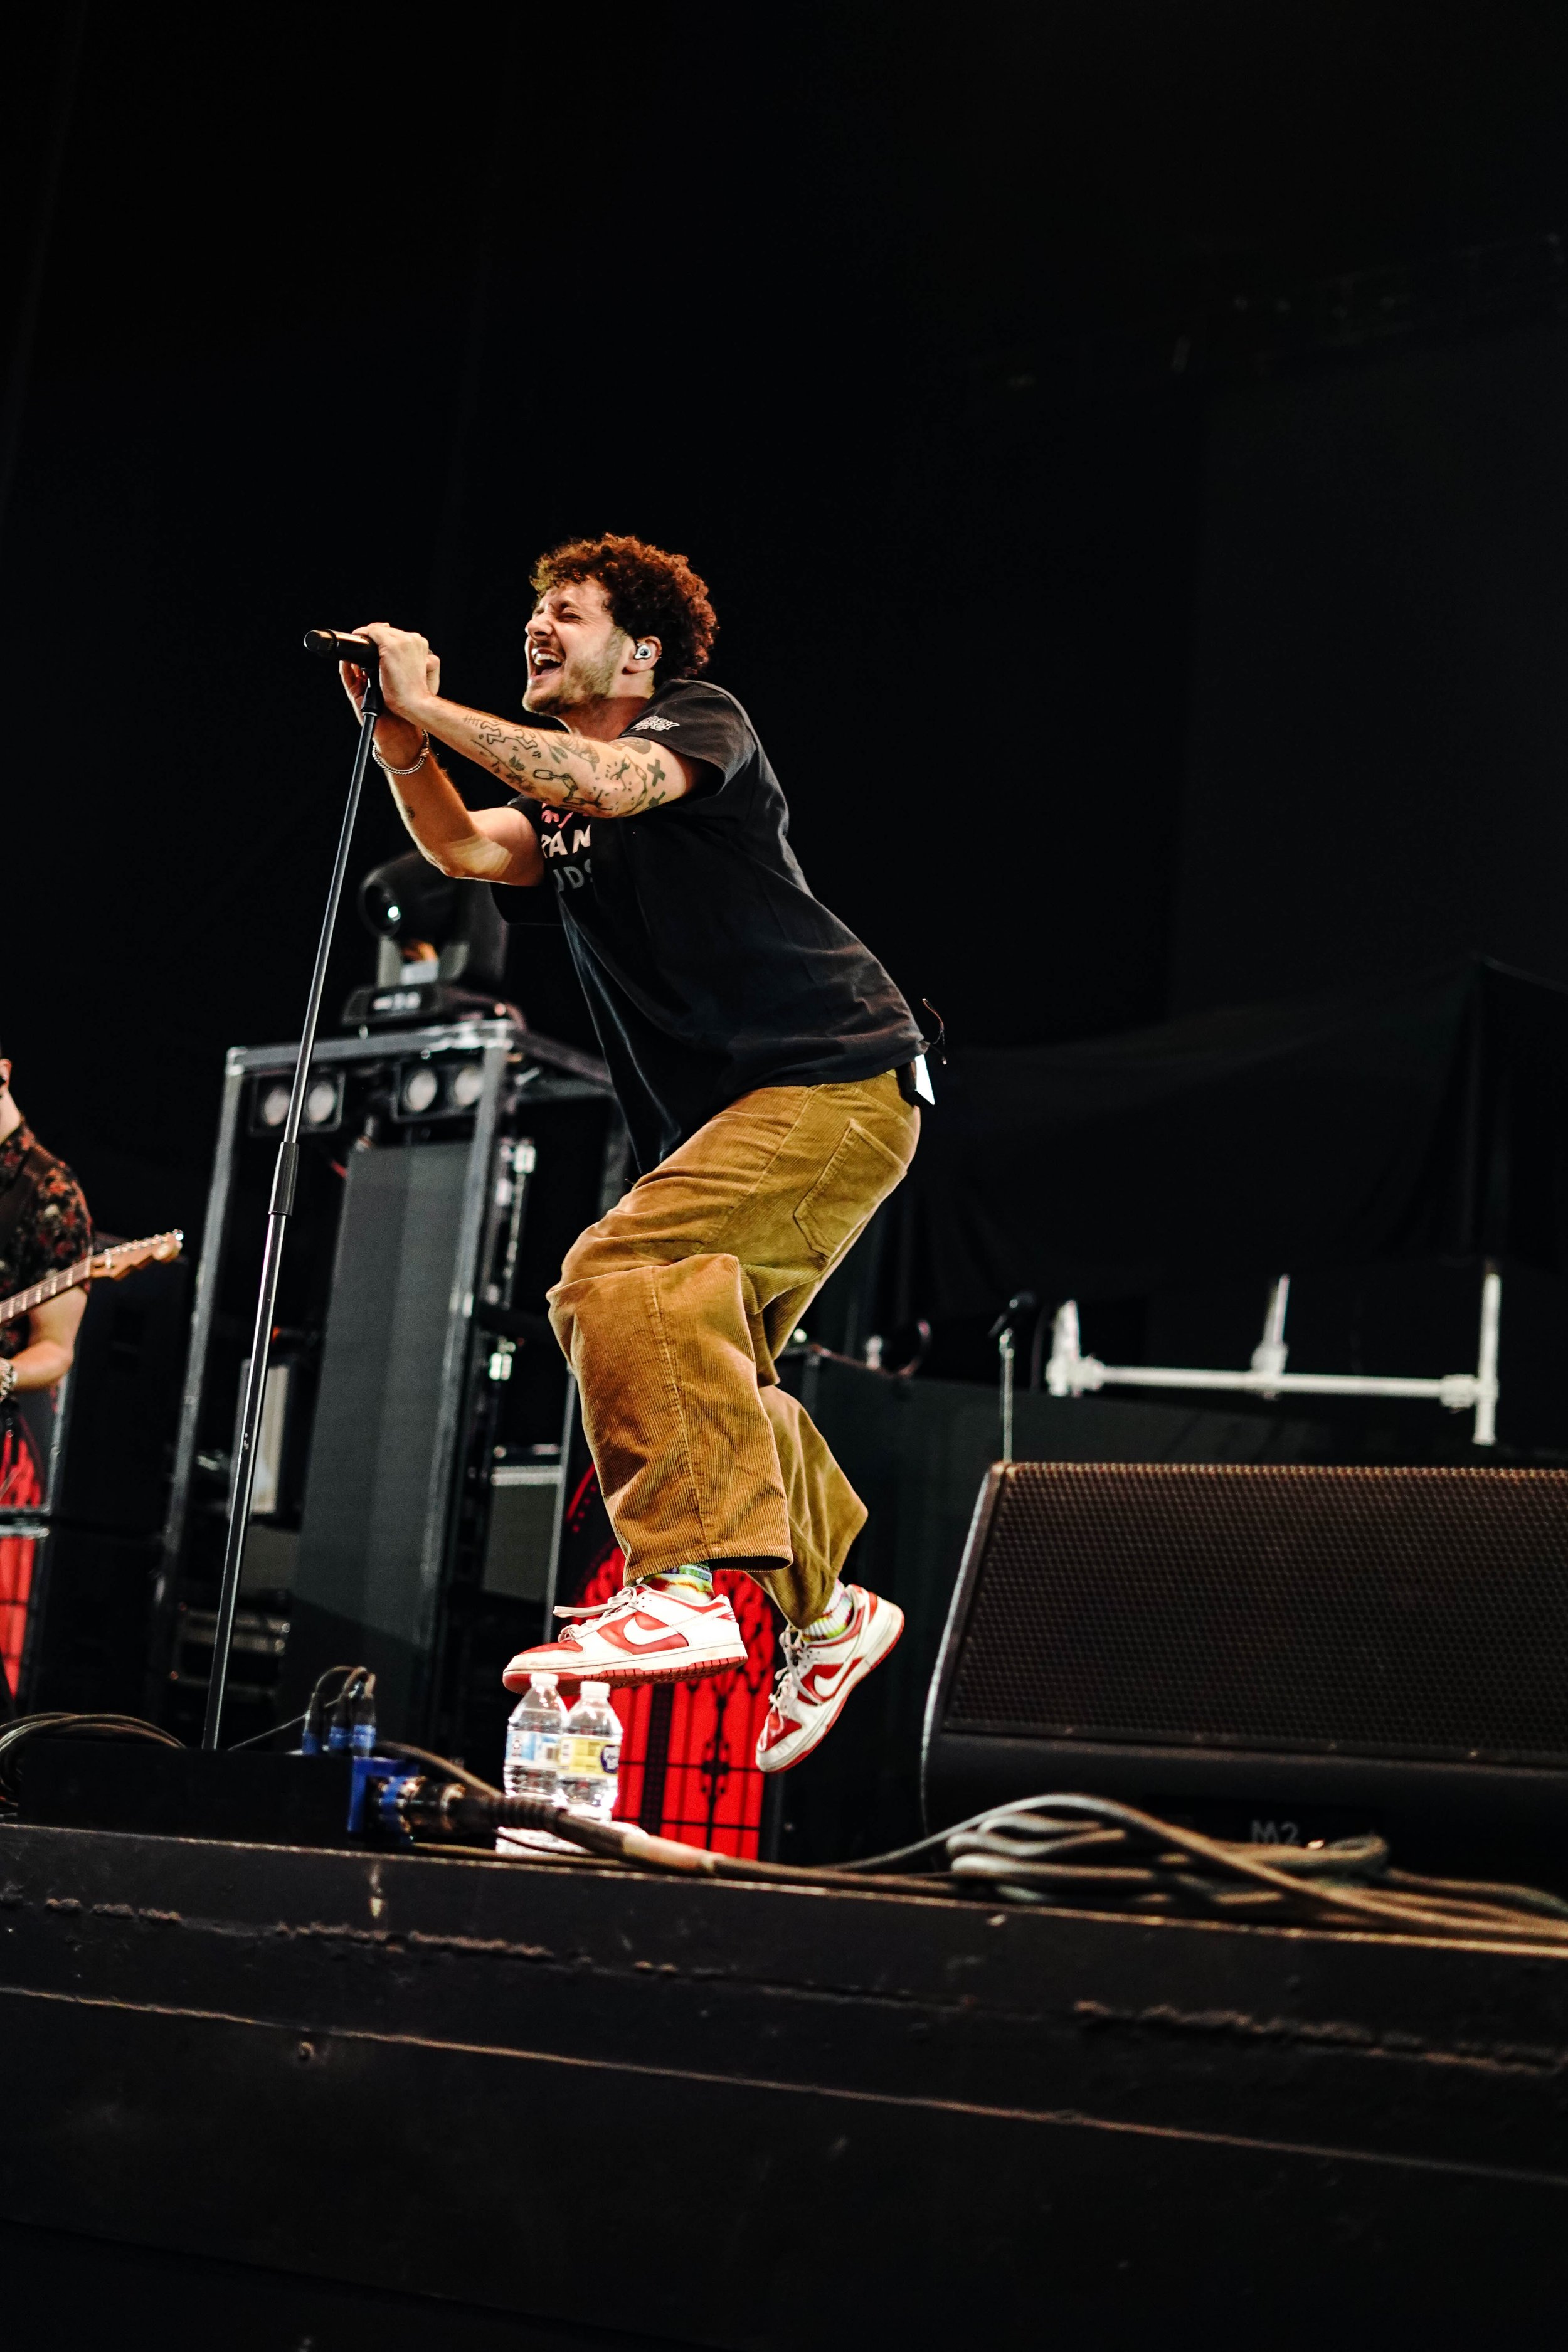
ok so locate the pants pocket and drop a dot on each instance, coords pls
(860, 1174)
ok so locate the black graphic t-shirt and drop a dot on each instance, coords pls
(709, 968)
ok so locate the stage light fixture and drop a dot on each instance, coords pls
(324, 1106)
(442, 947)
(407, 900)
(437, 1086)
(323, 1102)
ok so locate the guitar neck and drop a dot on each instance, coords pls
(51, 1287)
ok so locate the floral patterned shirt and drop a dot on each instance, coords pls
(53, 1231)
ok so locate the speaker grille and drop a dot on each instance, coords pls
(375, 1486)
(1417, 1613)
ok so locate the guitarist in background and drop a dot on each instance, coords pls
(44, 1227)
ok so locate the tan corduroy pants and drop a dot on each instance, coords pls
(674, 1307)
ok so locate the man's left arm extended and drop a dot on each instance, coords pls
(565, 770)
(568, 772)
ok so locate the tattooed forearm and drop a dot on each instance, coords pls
(566, 771)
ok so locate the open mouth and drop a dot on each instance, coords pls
(542, 662)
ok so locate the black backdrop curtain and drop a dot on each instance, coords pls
(1420, 1119)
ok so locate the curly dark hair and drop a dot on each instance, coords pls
(650, 595)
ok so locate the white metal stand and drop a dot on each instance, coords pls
(1069, 1373)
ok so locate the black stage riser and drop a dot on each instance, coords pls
(924, 2118)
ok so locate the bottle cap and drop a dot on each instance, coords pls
(542, 1682)
(595, 1691)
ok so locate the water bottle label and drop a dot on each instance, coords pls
(534, 1749)
(588, 1760)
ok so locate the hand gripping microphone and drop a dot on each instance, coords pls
(334, 644)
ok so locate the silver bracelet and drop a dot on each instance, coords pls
(386, 767)
(7, 1377)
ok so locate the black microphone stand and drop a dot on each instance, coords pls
(279, 1212)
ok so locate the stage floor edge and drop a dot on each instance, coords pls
(759, 2116)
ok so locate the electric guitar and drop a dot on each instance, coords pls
(103, 1265)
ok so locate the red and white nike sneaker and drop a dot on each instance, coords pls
(644, 1634)
(817, 1677)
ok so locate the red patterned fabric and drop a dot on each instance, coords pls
(689, 1765)
(20, 1489)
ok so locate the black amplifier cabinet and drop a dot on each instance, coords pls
(1269, 1652)
(445, 1171)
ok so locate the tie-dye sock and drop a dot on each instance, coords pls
(835, 1618)
(694, 1577)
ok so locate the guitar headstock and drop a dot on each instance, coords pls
(114, 1264)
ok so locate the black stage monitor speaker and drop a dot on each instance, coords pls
(1271, 1652)
(373, 1533)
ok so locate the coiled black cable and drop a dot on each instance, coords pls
(15, 1735)
(1093, 1852)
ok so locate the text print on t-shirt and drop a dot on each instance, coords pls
(565, 838)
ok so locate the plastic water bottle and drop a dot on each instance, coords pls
(534, 1742)
(591, 1755)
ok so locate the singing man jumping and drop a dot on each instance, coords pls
(767, 1069)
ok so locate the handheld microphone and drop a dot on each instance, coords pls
(332, 644)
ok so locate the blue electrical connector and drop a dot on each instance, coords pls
(361, 1718)
(373, 1796)
(350, 1730)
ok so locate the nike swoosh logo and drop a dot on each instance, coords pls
(630, 1635)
